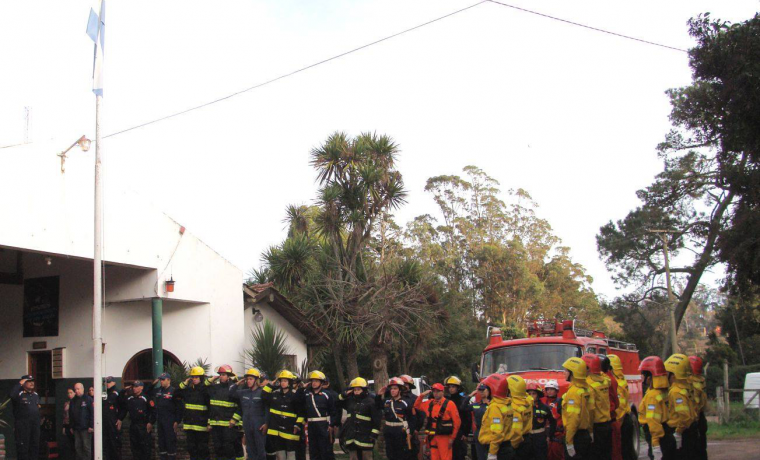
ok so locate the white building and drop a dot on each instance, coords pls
(46, 273)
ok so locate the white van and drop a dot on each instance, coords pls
(752, 382)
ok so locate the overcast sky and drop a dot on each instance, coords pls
(571, 115)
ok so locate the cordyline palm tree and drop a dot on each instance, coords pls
(268, 349)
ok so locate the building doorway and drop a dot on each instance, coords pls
(140, 366)
(40, 365)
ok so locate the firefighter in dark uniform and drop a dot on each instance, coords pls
(398, 414)
(26, 415)
(321, 414)
(250, 396)
(221, 413)
(478, 408)
(194, 395)
(111, 438)
(285, 418)
(418, 421)
(453, 392)
(141, 418)
(544, 423)
(363, 423)
(168, 415)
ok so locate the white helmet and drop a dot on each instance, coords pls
(551, 384)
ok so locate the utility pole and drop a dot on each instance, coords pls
(671, 301)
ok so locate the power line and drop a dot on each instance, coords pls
(259, 85)
(297, 71)
(585, 26)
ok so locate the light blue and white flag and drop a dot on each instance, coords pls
(96, 29)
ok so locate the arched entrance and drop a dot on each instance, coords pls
(140, 366)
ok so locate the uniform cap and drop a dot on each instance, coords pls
(27, 377)
(164, 376)
(110, 379)
(137, 383)
(437, 387)
(482, 387)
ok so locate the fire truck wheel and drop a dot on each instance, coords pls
(636, 438)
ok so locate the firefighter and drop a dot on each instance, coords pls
(419, 418)
(250, 396)
(442, 422)
(615, 452)
(168, 415)
(285, 418)
(111, 438)
(623, 412)
(522, 418)
(478, 409)
(397, 414)
(221, 413)
(681, 415)
(26, 416)
(141, 419)
(653, 410)
(599, 385)
(322, 416)
(700, 399)
(555, 449)
(497, 420)
(543, 421)
(194, 394)
(577, 411)
(363, 422)
(453, 385)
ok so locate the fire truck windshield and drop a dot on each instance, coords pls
(525, 358)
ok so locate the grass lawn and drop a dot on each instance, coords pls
(734, 430)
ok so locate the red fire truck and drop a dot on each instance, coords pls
(540, 357)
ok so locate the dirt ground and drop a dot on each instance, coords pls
(731, 449)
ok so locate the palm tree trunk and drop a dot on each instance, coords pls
(379, 357)
(339, 365)
(351, 363)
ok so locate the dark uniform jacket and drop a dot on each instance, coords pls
(166, 404)
(543, 417)
(478, 410)
(320, 408)
(419, 417)
(463, 407)
(398, 415)
(222, 408)
(285, 412)
(111, 405)
(363, 423)
(26, 405)
(139, 410)
(196, 401)
(81, 413)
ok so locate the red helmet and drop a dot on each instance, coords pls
(696, 365)
(437, 387)
(534, 386)
(224, 369)
(498, 385)
(407, 379)
(396, 381)
(593, 362)
(653, 365)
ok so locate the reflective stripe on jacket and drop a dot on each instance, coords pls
(496, 424)
(653, 412)
(577, 409)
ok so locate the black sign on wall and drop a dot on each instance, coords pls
(41, 306)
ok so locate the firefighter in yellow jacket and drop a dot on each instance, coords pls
(599, 384)
(622, 414)
(577, 411)
(653, 410)
(700, 398)
(681, 414)
(497, 420)
(522, 418)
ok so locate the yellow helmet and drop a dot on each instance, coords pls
(316, 375)
(358, 382)
(615, 362)
(453, 380)
(577, 366)
(197, 371)
(286, 374)
(679, 365)
(517, 386)
(253, 372)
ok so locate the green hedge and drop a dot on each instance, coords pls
(736, 376)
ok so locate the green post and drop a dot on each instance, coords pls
(158, 347)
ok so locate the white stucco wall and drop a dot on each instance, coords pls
(296, 341)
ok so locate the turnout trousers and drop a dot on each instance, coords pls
(27, 437)
(140, 441)
(459, 450)
(395, 443)
(525, 450)
(601, 448)
(320, 447)
(626, 438)
(540, 446)
(223, 438)
(439, 448)
(617, 441)
(111, 440)
(582, 444)
(197, 444)
(167, 439)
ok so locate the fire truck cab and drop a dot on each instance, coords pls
(540, 357)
